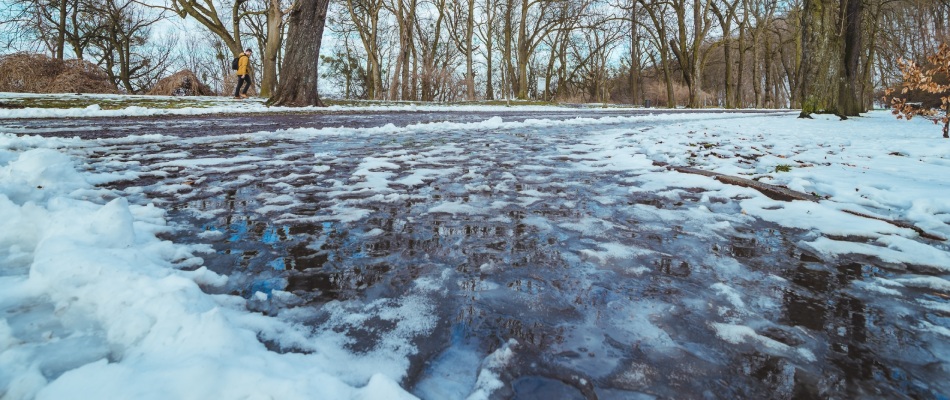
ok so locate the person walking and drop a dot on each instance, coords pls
(243, 74)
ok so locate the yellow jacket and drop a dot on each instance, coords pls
(243, 60)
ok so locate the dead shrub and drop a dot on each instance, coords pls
(655, 91)
(181, 83)
(38, 73)
(81, 77)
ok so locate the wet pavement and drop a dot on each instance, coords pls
(208, 125)
(609, 290)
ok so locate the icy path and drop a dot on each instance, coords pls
(527, 259)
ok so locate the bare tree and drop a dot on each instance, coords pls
(298, 81)
(726, 13)
(365, 16)
(460, 21)
(265, 18)
(121, 44)
(658, 12)
(688, 45)
(207, 14)
(486, 33)
(52, 24)
(534, 23)
(405, 14)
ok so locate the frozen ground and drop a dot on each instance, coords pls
(522, 258)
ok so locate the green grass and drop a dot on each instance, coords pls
(783, 168)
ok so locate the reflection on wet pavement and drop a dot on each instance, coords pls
(609, 291)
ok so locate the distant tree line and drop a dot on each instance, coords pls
(818, 55)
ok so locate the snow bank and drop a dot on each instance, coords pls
(96, 306)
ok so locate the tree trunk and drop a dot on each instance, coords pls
(658, 18)
(820, 71)
(414, 76)
(469, 60)
(508, 85)
(298, 80)
(796, 90)
(727, 58)
(668, 77)
(767, 73)
(756, 64)
(548, 74)
(523, 55)
(634, 56)
(852, 15)
(739, 102)
(61, 32)
(489, 86)
(725, 22)
(809, 8)
(275, 19)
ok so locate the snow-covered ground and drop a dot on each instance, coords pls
(624, 277)
(104, 105)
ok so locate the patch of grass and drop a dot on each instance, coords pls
(783, 168)
(107, 102)
(513, 103)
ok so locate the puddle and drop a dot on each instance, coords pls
(608, 291)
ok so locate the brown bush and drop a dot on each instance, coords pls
(38, 73)
(81, 77)
(181, 83)
(655, 91)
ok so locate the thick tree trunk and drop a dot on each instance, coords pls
(852, 15)
(275, 19)
(820, 66)
(809, 8)
(298, 80)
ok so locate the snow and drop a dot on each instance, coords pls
(96, 305)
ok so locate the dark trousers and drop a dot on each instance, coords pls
(242, 79)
